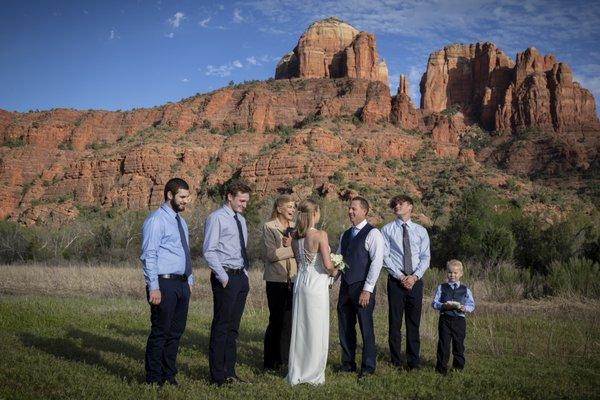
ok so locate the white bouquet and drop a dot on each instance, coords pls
(338, 262)
(453, 305)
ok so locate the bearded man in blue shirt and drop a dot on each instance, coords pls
(167, 267)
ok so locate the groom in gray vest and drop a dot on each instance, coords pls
(362, 247)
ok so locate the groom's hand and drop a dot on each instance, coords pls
(364, 298)
(154, 297)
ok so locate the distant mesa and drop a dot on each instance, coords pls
(331, 48)
(499, 94)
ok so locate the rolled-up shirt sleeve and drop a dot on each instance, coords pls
(375, 247)
(210, 247)
(273, 250)
(151, 236)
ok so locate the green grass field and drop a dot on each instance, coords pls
(93, 348)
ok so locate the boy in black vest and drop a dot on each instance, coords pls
(452, 300)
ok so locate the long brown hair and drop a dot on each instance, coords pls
(279, 202)
(306, 210)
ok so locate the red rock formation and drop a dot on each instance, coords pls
(331, 48)
(403, 111)
(473, 77)
(482, 81)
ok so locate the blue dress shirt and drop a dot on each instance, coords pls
(162, 251)
(469, 303)
(393, 258)
(221, 246)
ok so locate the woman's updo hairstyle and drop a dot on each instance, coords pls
(306, 213)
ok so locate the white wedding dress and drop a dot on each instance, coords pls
(309, 343)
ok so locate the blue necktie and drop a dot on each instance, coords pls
(354, 231)
(186, 248)
(242, 243)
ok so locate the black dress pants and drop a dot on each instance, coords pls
(349, 310)
(168, 321)
(451, 330)
(228, 307)
(408, 304)
(279, 330)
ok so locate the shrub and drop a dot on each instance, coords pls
(450, 111)
(337, 178)
(12, 143)
(575, 277)
(310, 119)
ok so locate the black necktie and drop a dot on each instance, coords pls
(408, 267)
(242, 243)
(186, 248)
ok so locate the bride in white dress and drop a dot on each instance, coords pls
(309, 343)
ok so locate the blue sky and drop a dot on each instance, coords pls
(141, 53)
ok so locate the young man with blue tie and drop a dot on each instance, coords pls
(406, 258)
(225, 240)
(167, 267)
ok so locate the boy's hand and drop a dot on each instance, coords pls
(462, 308)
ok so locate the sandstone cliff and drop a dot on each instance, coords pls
(500, 95)
(323, 130)
(331, 48)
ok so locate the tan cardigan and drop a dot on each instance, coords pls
(280, 263)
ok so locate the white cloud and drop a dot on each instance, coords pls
(185, 80)
(220, 70)
(112, 34)
(170, 35)
(175, 21)
(227, 69)
(237, 16)
(204, 22)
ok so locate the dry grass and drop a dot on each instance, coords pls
(126, 281)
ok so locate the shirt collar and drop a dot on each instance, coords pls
(166, 208)
(361, 225)
(228, 210)
(455, 284)
(400, 222)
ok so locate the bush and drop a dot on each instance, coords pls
(12, 143)
(478, 228)
(575, 277)
(16, 242)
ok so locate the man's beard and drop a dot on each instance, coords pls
(176, 207)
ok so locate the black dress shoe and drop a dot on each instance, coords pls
(172, 381)
(234, 379)
(218, 383)
(414, 367)
(346, 368)
(364, 374)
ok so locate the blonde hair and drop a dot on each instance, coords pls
(279, 202)
(306, 211)
(454, 263)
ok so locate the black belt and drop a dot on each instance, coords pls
(234, 271)
(176, 277)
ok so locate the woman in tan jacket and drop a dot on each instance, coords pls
(280, 272)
